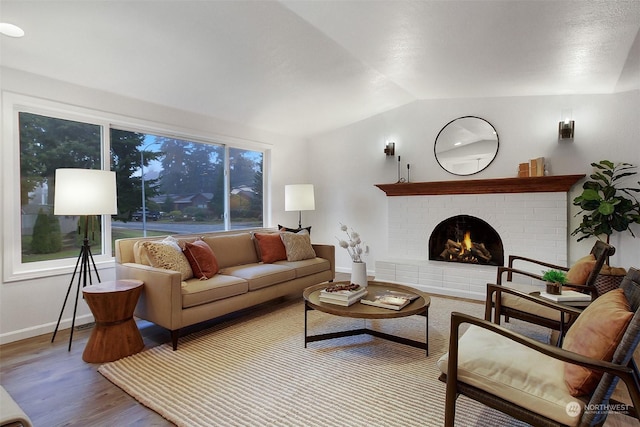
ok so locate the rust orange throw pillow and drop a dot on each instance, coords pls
(596, 334)
(202, 259)
(271, 247)
(580, 271)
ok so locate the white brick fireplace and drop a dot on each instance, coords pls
(530, 223)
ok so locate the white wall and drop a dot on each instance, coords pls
(31, 307)
(345, 164)
(349, 161)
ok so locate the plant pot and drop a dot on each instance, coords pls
(554, 288)
(359, 273)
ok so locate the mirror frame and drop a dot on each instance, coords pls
(495, 153)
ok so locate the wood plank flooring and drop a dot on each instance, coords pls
(56, 388)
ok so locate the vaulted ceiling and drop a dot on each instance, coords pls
(305, 67)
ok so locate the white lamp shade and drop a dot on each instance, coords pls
(299, 197)
(85, 192)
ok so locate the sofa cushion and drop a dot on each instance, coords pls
(580, 271)
(233, 249)
(261, 275)
(201, 258)
(165, 255)
(511, 371)
(196, 292)
(140, 254)
(307, 267)
(270, 247)
(596, 334)
(298, 246)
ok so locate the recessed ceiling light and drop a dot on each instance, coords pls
(11, 30)
(457, 143)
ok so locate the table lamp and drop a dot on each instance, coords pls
(83, 192)
(299, 197)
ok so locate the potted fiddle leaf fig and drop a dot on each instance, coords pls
(606, 205)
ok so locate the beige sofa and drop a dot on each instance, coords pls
(243, 280)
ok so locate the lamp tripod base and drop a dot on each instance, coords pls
(83, 270)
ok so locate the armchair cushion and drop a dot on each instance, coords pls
(580, 271)
(596, 334)
(516, 303)
(509, 370)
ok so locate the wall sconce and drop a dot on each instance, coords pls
(566, 126)
(390, 149)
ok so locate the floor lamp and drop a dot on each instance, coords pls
(299, 197)
(83, 192)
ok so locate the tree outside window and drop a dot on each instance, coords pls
(46, 144)
(185, 189)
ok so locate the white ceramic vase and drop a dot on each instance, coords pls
(359, 273)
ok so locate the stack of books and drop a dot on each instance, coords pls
(392, 300)
(340, 296)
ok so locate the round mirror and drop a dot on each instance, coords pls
(466, 145)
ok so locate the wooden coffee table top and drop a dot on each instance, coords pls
(362, 311)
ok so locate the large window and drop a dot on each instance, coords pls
(46, 144)
(170, 186)
(166, 184)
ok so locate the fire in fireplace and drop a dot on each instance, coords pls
(466, 239)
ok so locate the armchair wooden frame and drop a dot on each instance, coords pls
(601, 251)
(626, 371)
(622, 367)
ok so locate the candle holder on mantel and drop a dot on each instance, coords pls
(400, 179)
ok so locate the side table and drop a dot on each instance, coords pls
(115, 334)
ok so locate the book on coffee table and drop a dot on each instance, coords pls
(343, 297)
(392, 300)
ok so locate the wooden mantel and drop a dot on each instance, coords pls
(540, 184)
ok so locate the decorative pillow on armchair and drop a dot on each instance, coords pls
(580, 271)
(298, 246)
(596, 334)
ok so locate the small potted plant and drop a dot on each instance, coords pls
(555, 279)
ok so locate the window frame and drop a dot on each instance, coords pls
(12, 104)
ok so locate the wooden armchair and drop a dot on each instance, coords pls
(510, 303)
(528, 380)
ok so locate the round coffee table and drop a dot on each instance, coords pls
(116, 334)
(358, 310)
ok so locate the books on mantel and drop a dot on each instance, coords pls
(344, 295)
(392, 300)
(567, 296)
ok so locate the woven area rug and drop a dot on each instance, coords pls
(255, 371)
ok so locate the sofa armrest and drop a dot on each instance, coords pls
(327, 252)
(161, 298)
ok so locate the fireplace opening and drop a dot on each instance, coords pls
(466, 239)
